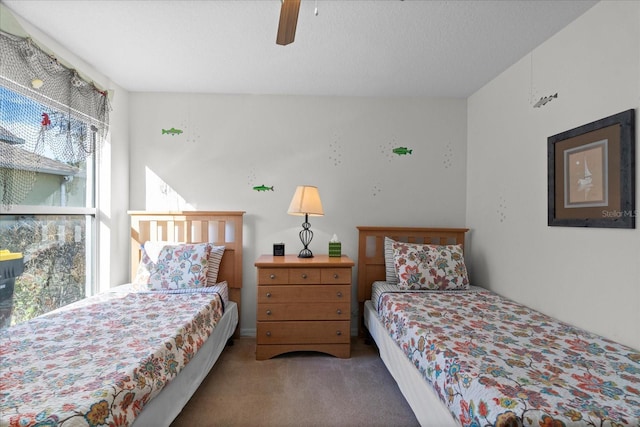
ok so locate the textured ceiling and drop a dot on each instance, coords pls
(353, 48)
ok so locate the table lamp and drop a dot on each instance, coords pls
(306, 201)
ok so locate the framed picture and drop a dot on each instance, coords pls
(591, 174)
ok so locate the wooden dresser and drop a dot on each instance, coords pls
(304, 304)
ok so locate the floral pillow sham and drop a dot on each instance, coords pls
(431, 267)
(177, 266)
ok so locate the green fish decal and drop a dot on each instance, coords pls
(263, 188)
(401, 151)
(172, 131)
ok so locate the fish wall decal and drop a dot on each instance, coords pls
(172, 131)
(402, 151)
(263, 188)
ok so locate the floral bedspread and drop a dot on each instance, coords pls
(495, 362)
(99, 361)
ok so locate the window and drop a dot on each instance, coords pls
(57, 263)
(48, 208)
(52, 123)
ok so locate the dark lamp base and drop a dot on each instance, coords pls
(305, 253)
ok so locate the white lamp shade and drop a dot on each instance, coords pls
(306, 200)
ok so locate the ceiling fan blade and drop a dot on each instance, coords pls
(288, 21)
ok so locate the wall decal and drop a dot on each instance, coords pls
(172, 131)
(502, 208)
(448, 156)
(336, 152)
(376, 190)
(251, 179)
(392, 149)
(259, 188)
(402, 151)
(385, 149)
(263, 188)
(189, 131)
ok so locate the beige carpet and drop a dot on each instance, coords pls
(298, 389)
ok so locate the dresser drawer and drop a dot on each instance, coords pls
(306, 332)
(299, 276)
(330, 276)
(304, 293)
(295, 276)
(304, 311)
(273, 276)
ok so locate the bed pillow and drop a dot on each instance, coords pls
(149, 252)
(432, 267)
(389, 261)
(143, 272)
(215, 257)
(177, 266)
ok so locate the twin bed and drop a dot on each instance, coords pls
(133, 355)
(462, 355)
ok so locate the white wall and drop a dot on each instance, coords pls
(113, 221)
(342, 145)
(587, 277)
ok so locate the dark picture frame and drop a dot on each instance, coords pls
(591, 174)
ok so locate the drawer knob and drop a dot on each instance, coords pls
(338, 333)
(304, 276)
(268, 312)
(272, 276)
(268, 294)
(335, 275)
(268, 333)
(339, 294)
(339, 311)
